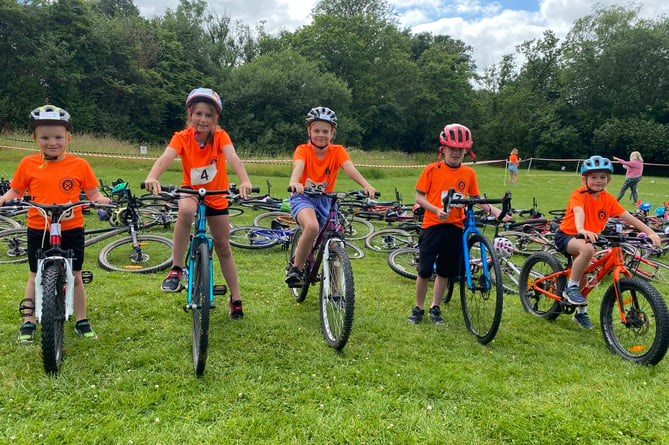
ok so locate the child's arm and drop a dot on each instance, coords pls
(95, 195)
(421, 200)
(294, 183)
(152, 184)
(11, 194)
(354, 174)
(579, 222)
(232, 158)
(630, 219)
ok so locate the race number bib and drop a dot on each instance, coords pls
(203, 175)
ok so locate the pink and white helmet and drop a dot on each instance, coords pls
(503, 247)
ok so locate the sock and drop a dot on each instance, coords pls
(582, 309)
(177, 268)
(572, 283)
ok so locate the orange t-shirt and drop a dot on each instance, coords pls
(55, 182)
(436, 180)
(513, 158)
(203, 167)
(597, 211)
(321, 171)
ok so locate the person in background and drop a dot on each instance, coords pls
(512, 166)
(634, 171)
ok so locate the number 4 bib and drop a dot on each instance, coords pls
(202, 175)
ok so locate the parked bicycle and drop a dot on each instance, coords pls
(633, 316)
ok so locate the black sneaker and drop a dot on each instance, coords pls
(293, 277)
(173, 281)
(27, 332)
(435, 315)
(83, 328)
(416, 315)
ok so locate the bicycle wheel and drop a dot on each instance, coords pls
(510, 274)
(152, 254)
(386, 240)
(249, 237)
(200, 306)
(337, 296)
(482, 304)
(265, 219)
(355, 228)
(235, 211)
(299, 293)
(53, 318)
(643, 335)
(354, 252)
(404, 262)
(533, 293)
(649, 269)
(7, 223)
(14, 246)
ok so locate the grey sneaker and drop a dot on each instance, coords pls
(416, 315)
(435, 315)
(573, 296)
(294, 277)
(27, 332)
(583, 320)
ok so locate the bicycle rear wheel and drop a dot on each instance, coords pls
(643, 335)
(200, 306)
(356, 228)
(250, 237)
(387, 240)
(337, 296)
(151, 254)
(265, 219)
(299, 293)
(482, 304)
(532, 286)
(14, 246)
(7, 223)
(405, 262)
(53, 318)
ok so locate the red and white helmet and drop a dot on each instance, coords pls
(456, 135)
(503, 247)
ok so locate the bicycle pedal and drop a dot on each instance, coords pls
(86, 276)
(220, 289)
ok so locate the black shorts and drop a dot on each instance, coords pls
(70, 239)
(561, 240)
(210, 211)
(441, 244)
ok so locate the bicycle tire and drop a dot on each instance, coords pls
(356, 228)
(53, 318)
(154, 253)
(534, 301)
(7, 223)
(510, 273)
(337, 296)
(253, 237)
(483, 304)
(404, 262)
(299, 293)
(200, 306)
(354, 252)
(644, 336)
(235, 211)
(14, 246)
(650, 269)
(265, 219)
(387, 240)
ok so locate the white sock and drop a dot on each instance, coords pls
(572, 283)
(582, 309)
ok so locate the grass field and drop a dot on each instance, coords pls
(271, 379)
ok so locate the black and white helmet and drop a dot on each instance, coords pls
(50, 115)
(322, 114)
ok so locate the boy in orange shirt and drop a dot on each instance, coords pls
(204, 150)
(54, 176)
(440, 240)
(588, 210)
(318, 162)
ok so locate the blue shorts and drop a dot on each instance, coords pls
(513, 168)
(320, 204)
(442, 244)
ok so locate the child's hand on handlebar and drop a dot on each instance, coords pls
(152, 185)
(245, 189)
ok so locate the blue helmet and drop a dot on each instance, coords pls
(596, 163)
(645, 206)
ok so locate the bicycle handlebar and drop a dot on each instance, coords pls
(448, 201)
(17, 204)
(314, 192)
(173, 189)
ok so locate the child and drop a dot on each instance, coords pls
(204, 149)
(441, 237)
(588, 210)
(54, 176)
(317, 162)
(634, 171)
(514, 161)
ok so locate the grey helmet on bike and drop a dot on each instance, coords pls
(322, 114)
(50, 115)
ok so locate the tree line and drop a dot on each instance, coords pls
(604, 89)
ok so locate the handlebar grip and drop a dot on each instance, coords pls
(163, 188)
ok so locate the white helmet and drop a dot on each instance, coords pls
(503, 247)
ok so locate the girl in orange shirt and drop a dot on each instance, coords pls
(514, 161)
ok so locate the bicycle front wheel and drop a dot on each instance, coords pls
(265, 219)
(249, 237)
(14, 246)
(356, 228)
(151, 254)
(53, 318)
(642, 335)
(337, 296)
(405, 262)
(482, 303)
(200, 306)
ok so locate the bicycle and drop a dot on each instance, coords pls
(481, 288)
(54, 283)
(633, 316)
(199, 273)
(329, 264)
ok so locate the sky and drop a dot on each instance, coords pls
(491, 28)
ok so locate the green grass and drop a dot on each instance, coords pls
(271, 379)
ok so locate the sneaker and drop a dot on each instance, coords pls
(173, 281)
(416, 315)
(27, 332)
(83, 328)
(293, 277)
(435, 315)
(573, 296)
(236, 312)
(583, 320)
